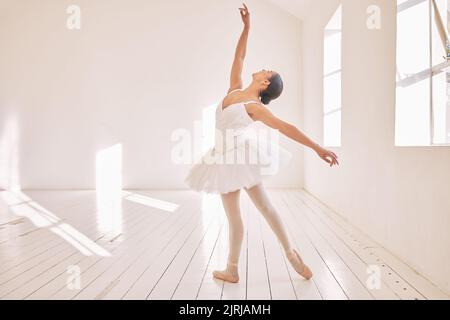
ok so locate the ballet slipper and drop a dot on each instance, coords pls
(226, 275)
(299, 266)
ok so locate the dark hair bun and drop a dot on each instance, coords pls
(273, 91)
(265, 99)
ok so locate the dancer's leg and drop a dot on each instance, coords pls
(261, 200)
(235, 236)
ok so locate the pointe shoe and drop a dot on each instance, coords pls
(227, 276)
(299, 266)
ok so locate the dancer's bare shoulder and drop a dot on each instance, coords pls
(259, 112)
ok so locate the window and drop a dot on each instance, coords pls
(422, 106)
(332, 80)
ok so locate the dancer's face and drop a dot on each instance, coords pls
(263, 76)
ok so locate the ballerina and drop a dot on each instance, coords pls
(236, 112)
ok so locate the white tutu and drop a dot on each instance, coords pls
(240, 159)
(243, 165)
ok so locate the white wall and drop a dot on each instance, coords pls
(136, 71)
(399, 196)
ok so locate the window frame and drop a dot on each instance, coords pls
(432, 71)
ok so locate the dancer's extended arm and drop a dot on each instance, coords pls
(261, 113)
(241, 51)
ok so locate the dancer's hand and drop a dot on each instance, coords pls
(327, 156)
(245, 15)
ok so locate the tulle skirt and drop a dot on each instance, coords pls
(244, 164)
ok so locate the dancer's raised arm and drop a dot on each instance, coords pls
(260, 113)
(241, 50)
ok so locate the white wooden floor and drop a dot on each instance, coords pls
(165, 245)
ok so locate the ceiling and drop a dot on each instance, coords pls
(298, 8)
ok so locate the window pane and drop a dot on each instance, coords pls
(332, 51)
(440, 101)
(412, 116)
(413, 107)
(332, 132)
(332, 92)
(332, 80)
(413, 34)
(333, 43)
